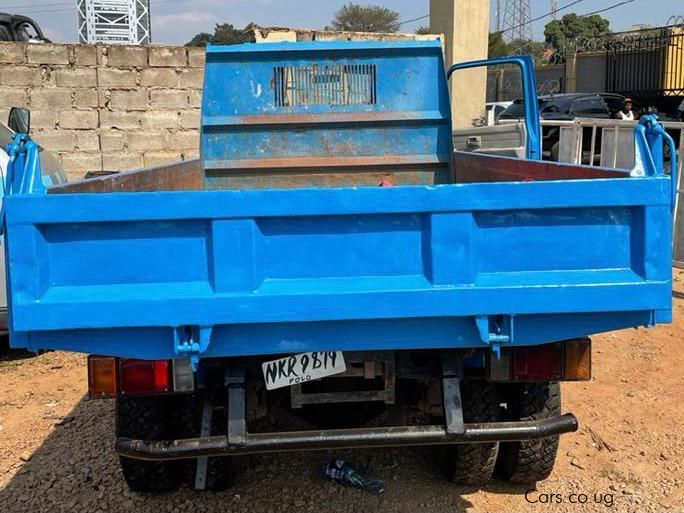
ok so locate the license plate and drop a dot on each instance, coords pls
(303, 367)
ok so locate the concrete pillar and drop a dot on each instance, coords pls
(465, 25)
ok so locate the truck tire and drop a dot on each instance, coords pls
(473, 464)
(144, 418)
(530, 461)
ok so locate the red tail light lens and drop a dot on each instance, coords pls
(143, 376)
(542, 363)
(569, 360)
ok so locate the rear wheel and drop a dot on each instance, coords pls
(144, 418)
(530, 461)
(473, 464)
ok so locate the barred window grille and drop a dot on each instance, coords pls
(348, 84)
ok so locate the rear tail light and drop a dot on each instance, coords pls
(143, 376)
(102, 376)
(541, 363)
(560, 361)
(109, 376)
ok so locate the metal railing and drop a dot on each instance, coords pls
(610, 143)
(603, 142)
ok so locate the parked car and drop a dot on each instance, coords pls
(566, 107)
(493, 110)
(15, 27)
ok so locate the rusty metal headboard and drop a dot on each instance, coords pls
(322, 107)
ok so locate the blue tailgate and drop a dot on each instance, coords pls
(264, 271)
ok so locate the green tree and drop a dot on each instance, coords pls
(224, 34)
(358, 18)
(537, 49)
(423, 30)
(497, 46)
(559, 33)
(201, 39)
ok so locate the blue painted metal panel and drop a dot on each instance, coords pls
(338, 266)
(325, 104)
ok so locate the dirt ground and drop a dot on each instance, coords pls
(56, 450)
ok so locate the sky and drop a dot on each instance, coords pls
(176, 21)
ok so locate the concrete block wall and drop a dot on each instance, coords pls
(106, 107)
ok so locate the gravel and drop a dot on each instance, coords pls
(56, 450)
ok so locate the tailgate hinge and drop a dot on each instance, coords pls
(495, 330)
(192, 342)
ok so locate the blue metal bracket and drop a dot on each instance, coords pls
(649, 138)
(495, 330)
(192, 342)
(23, 170)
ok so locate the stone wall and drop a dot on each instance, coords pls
(106, 107)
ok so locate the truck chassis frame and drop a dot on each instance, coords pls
(239, 441)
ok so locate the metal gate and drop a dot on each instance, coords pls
(646, 63)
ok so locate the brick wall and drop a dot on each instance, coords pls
(106, 107)
(122, 107)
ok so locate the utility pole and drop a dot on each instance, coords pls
(498, 15)
(114, 21)
(554, 9)
(517, 25)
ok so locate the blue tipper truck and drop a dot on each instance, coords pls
(331, 257)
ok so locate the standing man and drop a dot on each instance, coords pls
(626, 114)
(680, 111)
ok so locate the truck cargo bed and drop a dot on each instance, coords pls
(373, 267)
(265, 247)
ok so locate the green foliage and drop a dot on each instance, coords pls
(224, 34)
(537, 49)
(559, 33)
(423, 30)
(201, 39)
(497, 46)
(358, 18)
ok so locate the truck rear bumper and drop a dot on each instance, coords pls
(343, 438)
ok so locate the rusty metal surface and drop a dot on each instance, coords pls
(394, 436)
(180, 176)
(319, 178)
(329, 118)
(330, 162)
(326, 106)
(332, 172)
(473, 168)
